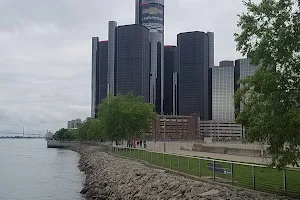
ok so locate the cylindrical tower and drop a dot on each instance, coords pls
(150, 13)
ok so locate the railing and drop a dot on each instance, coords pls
(256, 177)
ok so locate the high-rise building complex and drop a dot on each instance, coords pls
(222, 92)
(150, 13)
(178, 80)
(132, 60)
(196, 55)
(169, 70)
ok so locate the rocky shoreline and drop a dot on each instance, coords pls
(110, 177)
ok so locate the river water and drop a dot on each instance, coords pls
(30, 171)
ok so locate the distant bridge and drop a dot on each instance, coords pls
(13, 133)
(23, 134)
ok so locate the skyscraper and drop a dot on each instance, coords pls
(196, 55)
(222, 92)
(243, 68)
(112, 25)
(95, 76)
(150, 13)
(103, 70)
(132, 60)
(170, 69)
(99, 73)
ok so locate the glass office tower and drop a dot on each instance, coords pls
(99, 73)
(222, 93)
(150, 13)
(132, 60)
(196, 55)
(170, 69)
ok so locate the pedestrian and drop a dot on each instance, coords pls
(141, 143)
(145, 145)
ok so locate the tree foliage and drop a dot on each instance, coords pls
(125, 116)
(120, 117)
(64, 134)
(270, 37)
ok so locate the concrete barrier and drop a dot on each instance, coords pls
(229, 151)
(221, 150)
(233, 151)
(197, 147)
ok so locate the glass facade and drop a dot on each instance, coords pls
(103, 71)
(95, 76)
(132, 60)
(150, 13)
(194, 63)
(243, 68)
(170, 67)
(210, 93)
(222, 94)
(112, 25)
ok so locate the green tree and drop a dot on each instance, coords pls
(64, 134)
(270, 37)
(125, 116)
(90, 130)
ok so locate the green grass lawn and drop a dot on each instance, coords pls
(266, 179)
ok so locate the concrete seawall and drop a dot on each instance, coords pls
(58, 144)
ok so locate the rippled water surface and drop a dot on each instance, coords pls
(30, 171)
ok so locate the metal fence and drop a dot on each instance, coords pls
(256, 177)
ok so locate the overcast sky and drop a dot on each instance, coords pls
(45, 52)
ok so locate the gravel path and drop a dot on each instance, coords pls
(110, 177)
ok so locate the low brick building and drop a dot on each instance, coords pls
(171, 127)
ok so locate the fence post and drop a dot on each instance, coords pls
(214, 174)
(170, 161)
(134, 153)
(151, 156)
(163, 159)
(156, 158)
(232, 177)
(178, 163)
(253, 177)
(284, 180)
(199, 167)
(188, 165)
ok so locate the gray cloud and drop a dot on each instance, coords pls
(45, 48)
